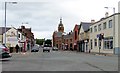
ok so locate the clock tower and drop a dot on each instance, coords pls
(60, 26)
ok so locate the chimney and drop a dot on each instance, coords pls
(106, 14)
(92, 21)
(22, 27)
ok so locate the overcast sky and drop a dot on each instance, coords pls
(43, 15)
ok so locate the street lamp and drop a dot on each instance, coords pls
(6, 16)
(113, 26)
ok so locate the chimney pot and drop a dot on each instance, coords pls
(92, 21)
(106, 14)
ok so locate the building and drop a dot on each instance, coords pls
(75, 37)
(68, 41)
(83, 43)
(119, 27)
(14, 37)
(58, 36)
(29, 36)
(2, 31)
(104, 34)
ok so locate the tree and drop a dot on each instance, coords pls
(48, 41)
(39, 41)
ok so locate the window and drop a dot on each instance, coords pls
(110, 23)
(104, 25)
(95, 42)
(95, 28)
(75, 35)
(91, 30)
(91, 43)
(18, 35)
(99, 27)
(108, 43)
(71, 40)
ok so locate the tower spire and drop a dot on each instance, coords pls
(60, 20)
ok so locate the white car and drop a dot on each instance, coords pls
(46, 48)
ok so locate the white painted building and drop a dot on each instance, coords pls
(119, 26)
(14, 37)
(108, 27)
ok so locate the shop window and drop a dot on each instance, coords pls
(108, 43)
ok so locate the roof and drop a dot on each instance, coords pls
(58, 34)
(105, 18)
(71, 34)
(85, 25)
(76, 26)
(2, 30)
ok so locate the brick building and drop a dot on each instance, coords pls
(68, 41)
(75, 37)
(28, 33)
(58, 36)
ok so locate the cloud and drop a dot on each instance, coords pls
(43, 15)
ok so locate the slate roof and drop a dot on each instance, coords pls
(85, 25)
(71, 34)
(58, 34)
(2, 30)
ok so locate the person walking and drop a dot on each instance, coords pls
(17, 48)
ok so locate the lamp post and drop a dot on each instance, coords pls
(113, 26)
(6, 17)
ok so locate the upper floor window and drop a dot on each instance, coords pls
(19, 35)
(110, 23)
(75, 35)
(99, 27)
(71, 40)
(95, 28)
(91, 30)
(104, 25)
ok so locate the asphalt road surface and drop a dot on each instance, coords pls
(60, 61)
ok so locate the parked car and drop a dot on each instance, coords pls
(55, 49)
(4, 52)
(47, 48)
(35, 48)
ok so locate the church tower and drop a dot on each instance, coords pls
(60, 26)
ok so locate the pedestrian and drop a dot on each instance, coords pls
(17, 48)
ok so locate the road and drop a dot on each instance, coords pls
(60, 61)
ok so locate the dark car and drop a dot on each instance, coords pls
(4, 52)
(35, 48)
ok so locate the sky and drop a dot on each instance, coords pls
(43, 16)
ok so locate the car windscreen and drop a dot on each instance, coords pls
(47, 45)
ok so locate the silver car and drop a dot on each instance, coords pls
(46, 48)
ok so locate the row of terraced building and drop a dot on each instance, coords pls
(101, 36)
